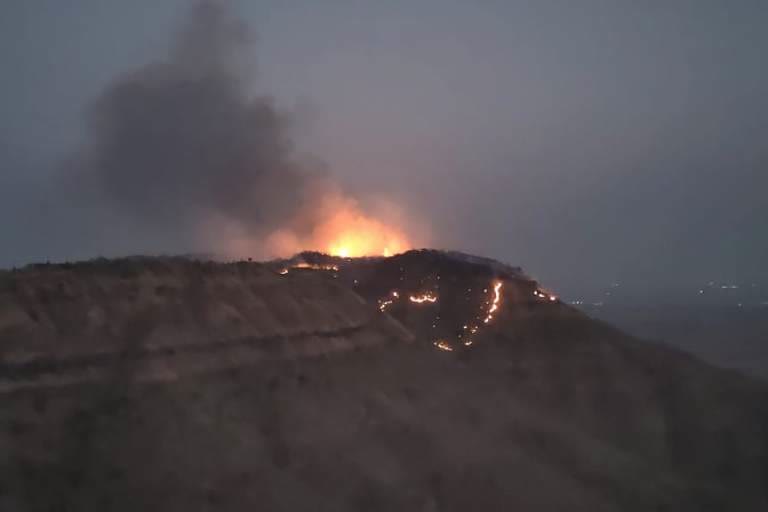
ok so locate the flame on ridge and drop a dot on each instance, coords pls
(340, 226)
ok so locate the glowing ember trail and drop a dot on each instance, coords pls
(541, 295)
(495, 303)
(426, 297)
(494, 306)
(385, 303)
(417, 299)
(313, 266)
(310, 266)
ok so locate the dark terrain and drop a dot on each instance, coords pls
(727, 335)
(169, 384)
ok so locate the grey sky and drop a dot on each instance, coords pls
(587, 141)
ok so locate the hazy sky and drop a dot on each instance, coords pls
(588, 141)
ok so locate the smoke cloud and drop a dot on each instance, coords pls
(181, 145)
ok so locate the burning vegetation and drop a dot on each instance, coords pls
(338, 225)
(253, 193)
(445, 298)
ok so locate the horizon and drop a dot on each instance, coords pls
(563, 139)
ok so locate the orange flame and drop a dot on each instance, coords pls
(342, 228)
(541, 295)
(310, 266)
(493, 307)
(495, 303)
(350, 233)
(425, 297)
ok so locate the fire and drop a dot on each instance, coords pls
(314, 266)
(495, 303)
(425, 297)
(494, 306)
(417, 299)
(351, 234)
(469, 329)
(385, 303)
(541, 295)
(310, 266)
(338, 225)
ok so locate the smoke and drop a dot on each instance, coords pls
(185, 151)
(181, 146)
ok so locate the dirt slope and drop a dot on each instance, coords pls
(546, 410)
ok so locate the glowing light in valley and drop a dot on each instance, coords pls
(443, 345)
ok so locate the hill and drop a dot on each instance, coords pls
(423, 381)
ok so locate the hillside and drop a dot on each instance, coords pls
(322, 383)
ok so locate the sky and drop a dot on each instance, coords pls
(590, 142)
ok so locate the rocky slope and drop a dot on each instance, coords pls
(306, 385)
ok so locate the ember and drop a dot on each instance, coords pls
(425, 297)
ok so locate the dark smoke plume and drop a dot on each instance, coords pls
(181, 140)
